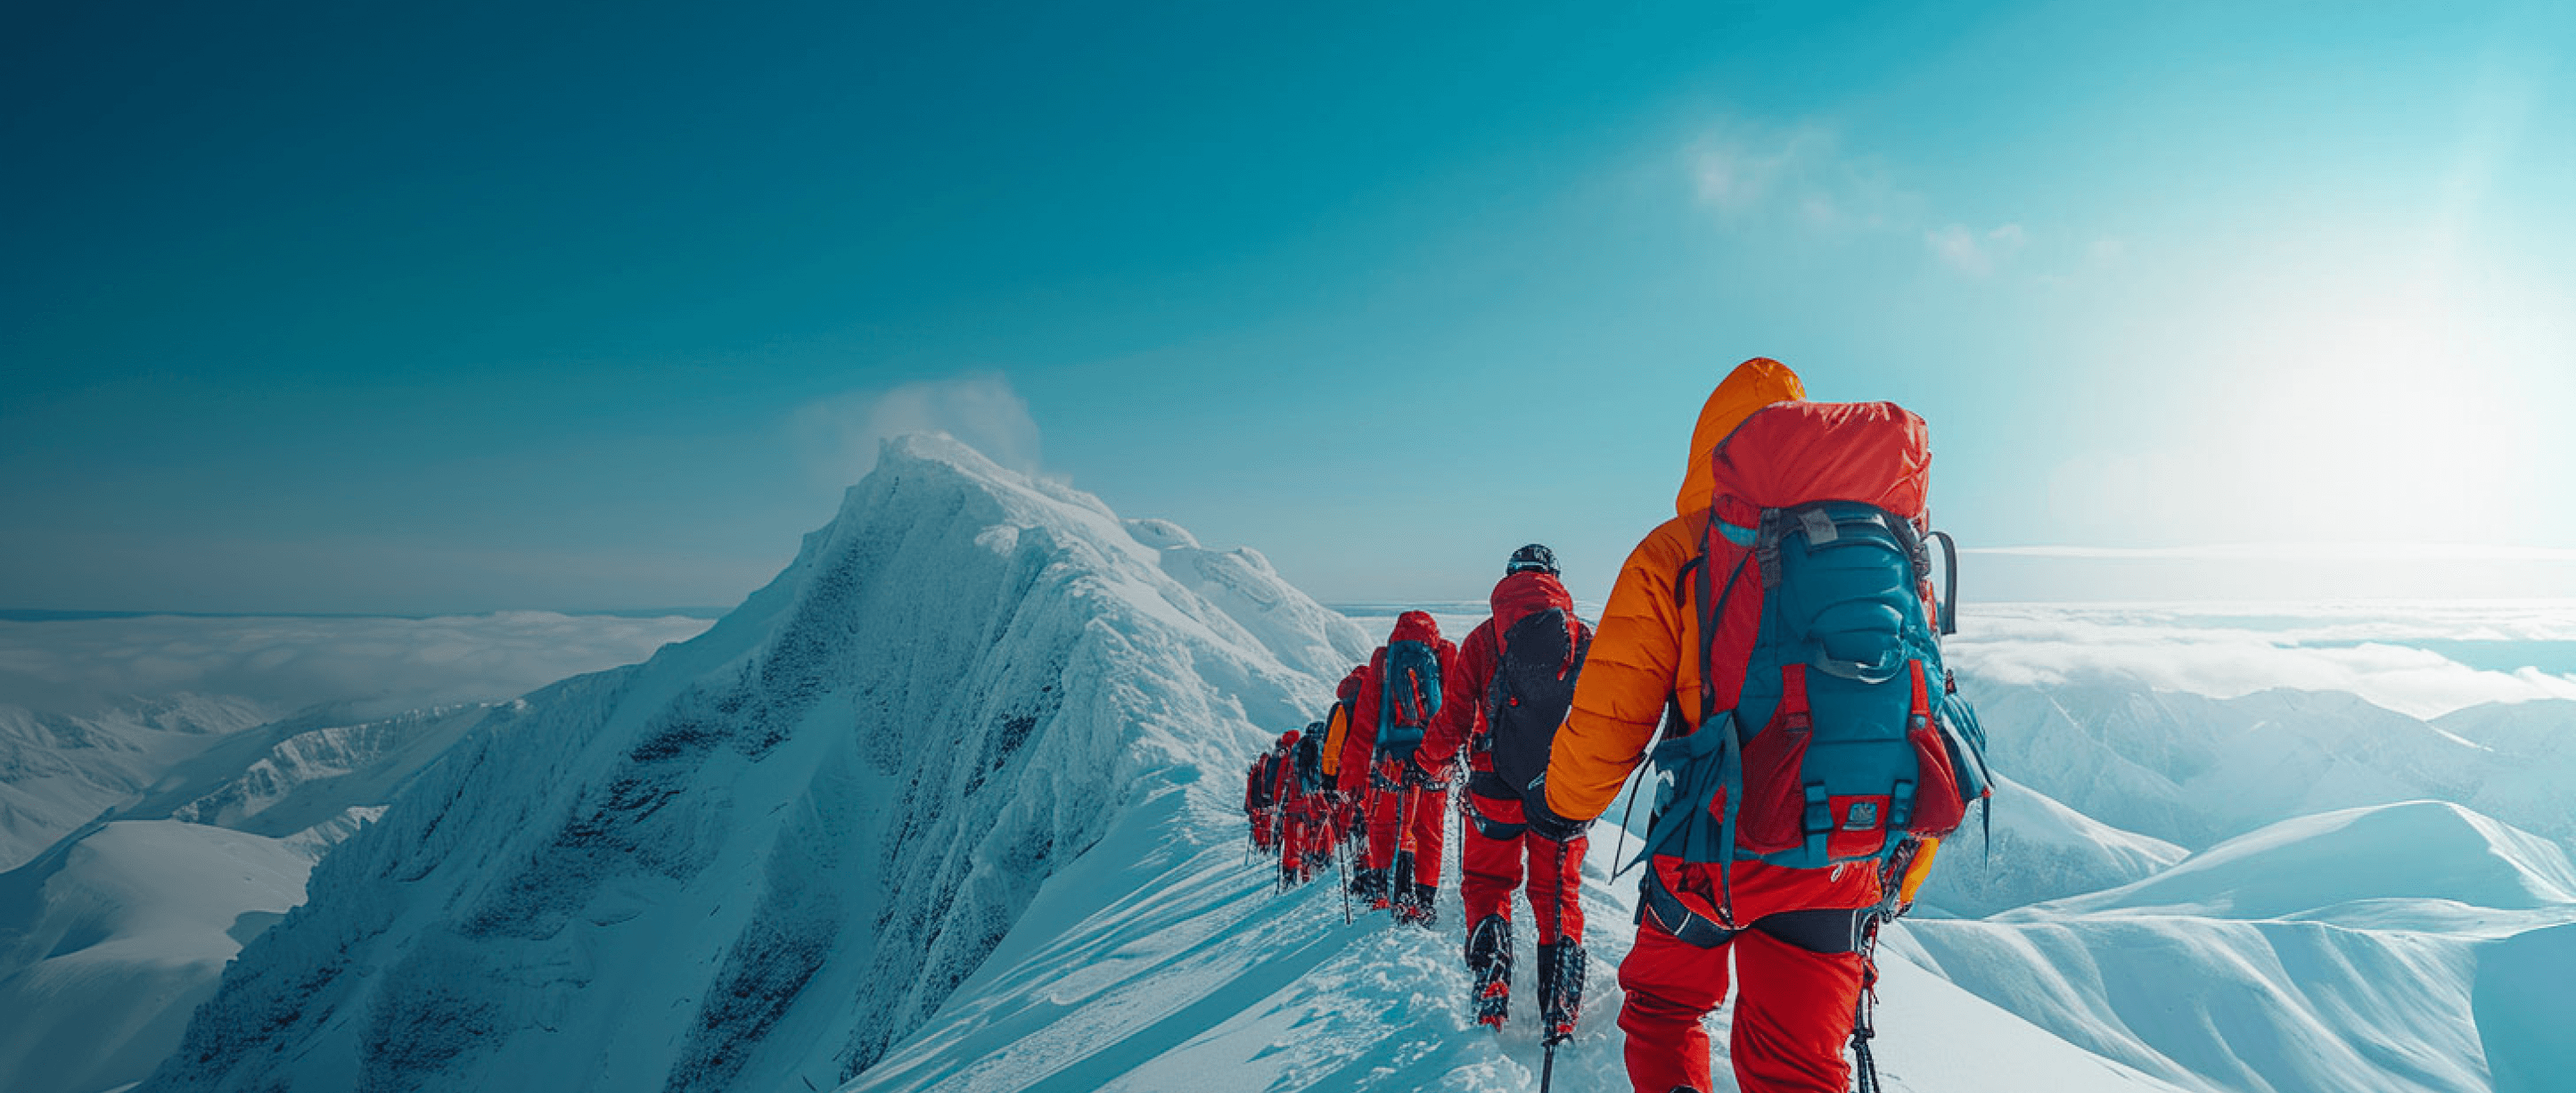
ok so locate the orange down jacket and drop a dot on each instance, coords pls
(1340, 726)
(1645, 653)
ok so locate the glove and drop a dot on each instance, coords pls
(1548, 825)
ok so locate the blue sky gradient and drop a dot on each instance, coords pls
(352, 308)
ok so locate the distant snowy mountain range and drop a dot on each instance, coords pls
(951, 805)
(96, 708)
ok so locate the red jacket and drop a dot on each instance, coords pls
(1361, 741)
(1462, 721)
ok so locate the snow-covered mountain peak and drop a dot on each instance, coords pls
(764, 856)
(915, 454)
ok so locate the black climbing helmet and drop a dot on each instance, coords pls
(1531, 557)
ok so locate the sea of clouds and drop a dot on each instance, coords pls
(2423, 659)
(82, 666)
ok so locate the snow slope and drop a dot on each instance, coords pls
(767, 855)
(148, 931)
(113, 946)
(2326, 953)
(1163, 961)
(1303, 634)
(2040, 850)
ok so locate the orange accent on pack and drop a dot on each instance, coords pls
(1920, 869)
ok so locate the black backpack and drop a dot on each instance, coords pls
(1264, 781)
(1310, 759)
(1533, 687)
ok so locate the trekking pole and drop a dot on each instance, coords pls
(1405, 850)
(1547, 1069)
(1342, 876)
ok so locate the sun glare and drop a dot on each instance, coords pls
(2391, 423)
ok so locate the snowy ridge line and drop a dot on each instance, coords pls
(766, 855)
(59, 771)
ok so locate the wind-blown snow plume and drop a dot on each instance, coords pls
(841, 435)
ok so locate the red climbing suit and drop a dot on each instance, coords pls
(1256, 802)
(1496, 845)
(1389, 792)
(1304, 846)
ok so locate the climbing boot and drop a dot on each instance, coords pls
(1560, 989)
(1489, 969)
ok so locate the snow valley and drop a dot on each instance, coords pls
(946, 807)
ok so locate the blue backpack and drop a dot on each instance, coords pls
(1408, 698)
(1829, 732)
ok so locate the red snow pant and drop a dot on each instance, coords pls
(1490, 865)
(1426, 833)
(1792, 1017)
(1304, 835)
(1264, 829)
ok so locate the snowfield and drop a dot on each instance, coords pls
(111, 938)
(2332, 952)
(953, 805)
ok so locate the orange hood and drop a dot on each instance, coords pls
(1753, 385)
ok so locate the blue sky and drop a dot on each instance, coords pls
(348, 308)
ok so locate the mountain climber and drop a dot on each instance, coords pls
(1259, 784)
(1342, 808)
(1400, 698)
(1517, 675)
(1690, 619)
(1305, 840)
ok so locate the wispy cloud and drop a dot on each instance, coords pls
(840, 435)
(1803, 175)
(1972, 253)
